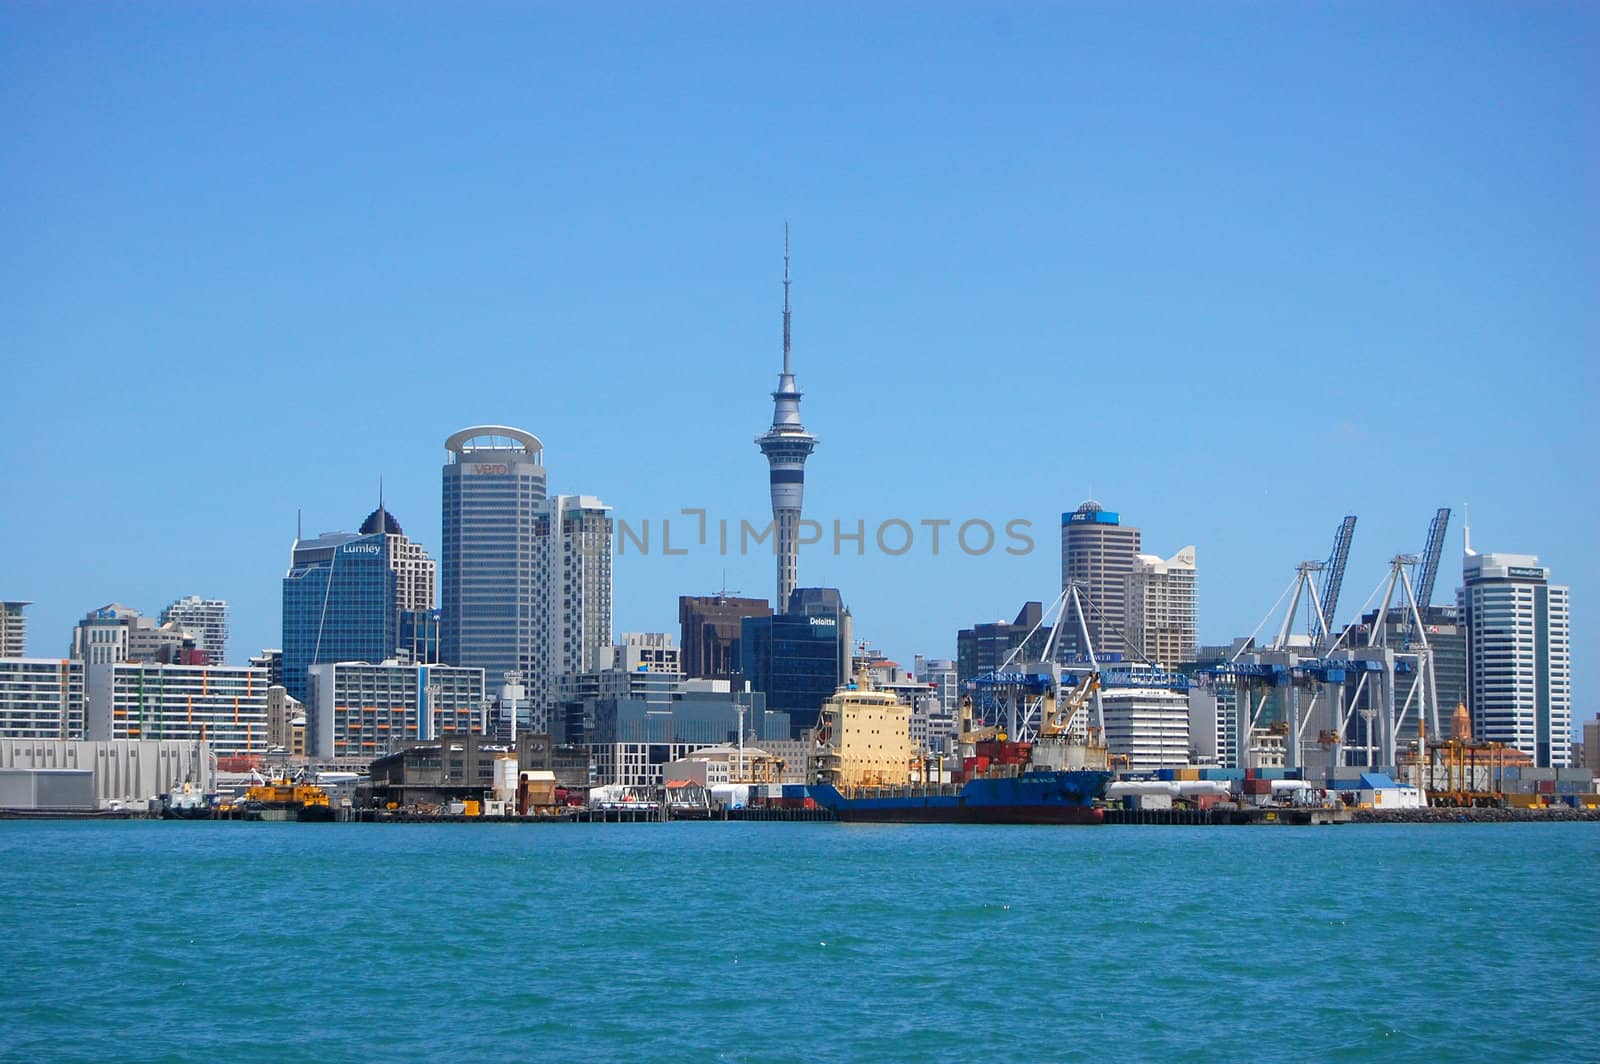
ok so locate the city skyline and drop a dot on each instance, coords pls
(1319, 308)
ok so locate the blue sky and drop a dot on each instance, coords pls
(1236, 269)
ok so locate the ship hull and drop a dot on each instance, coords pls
(1032, 798)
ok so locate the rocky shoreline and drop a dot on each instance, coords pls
(1473, 816)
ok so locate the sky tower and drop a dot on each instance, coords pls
(787, 445)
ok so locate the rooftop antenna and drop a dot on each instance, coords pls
(299, 525)
(1466, 532)
(786, 296)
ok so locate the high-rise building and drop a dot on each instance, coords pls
(365, 709)
(1097, 552)
(1162, 608)
(206, 620)
(577, 534)
(787, 445)
(1147, 725)
(338, 604)
(493, 608)
(984, 647)
(362, 596)
(710, 632)
(1519, 655)
(41, 699)
(115, 632)
(225, 705)
(800, 657)
(13, 630)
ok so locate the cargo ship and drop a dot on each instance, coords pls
(864, 764)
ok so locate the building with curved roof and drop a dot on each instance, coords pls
(492, 606)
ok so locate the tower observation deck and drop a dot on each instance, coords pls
(787, 445)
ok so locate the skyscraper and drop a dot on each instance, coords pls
(338, 604)
(354, 596)
(577, 540)
(1097, 551)
(710, 625)
(1519, 655)
(800, 657)
(492, 614)
(1162, 608)
(206, 620)
(787, 445)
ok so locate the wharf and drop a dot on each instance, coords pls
(1291, 815)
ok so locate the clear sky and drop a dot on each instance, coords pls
(1236, 269)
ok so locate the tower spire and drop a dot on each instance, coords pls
(786, 368)
(786, 445)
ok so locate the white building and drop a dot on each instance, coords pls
(222, 705)
(356, 709)
(1162, 607)
(41, 698)
(115, 632)
(124, 769)
(1147, 725)
(577, 543)
(206, 620)
(1519, 655)
(1214, 725)
(13, 630)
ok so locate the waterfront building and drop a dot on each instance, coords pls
(1162, 608)
(634, 741)
(362, 709)
(1097, 553)
(1591, 744)
(41, 698)
(125, 770)
(206, 620)
(1519, 655)
(798, 658)
(710, 627)
(493, 577)
(983, 648)
(1147, 725)
(13, 630)
(222, 705)
(786, 446)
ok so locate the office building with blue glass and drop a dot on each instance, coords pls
(364, 596)
(800, 657)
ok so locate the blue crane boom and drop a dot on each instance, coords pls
(1430, 558)
(1333, 572)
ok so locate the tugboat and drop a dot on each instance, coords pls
(287, 799)
(187, 802)
(864, 771)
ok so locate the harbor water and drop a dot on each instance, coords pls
(797, 942)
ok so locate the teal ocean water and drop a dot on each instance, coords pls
(797, 942)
